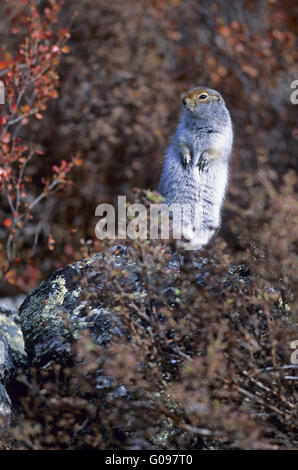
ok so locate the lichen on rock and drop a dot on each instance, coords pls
(55, 313)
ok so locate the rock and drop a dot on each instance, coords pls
(10, 329)
(75, 298)
(69, 301)
(6, 362)
(5, 417)
(12, 302)
(12, 358)
(8, 368)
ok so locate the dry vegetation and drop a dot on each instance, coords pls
(202, 361)
(205, 362)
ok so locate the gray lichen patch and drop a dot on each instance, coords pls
(44, 316)
(54, 315)
(58, 296)
(2, 352)
(13, 333)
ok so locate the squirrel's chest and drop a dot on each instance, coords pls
(219, 142)
(198, 142)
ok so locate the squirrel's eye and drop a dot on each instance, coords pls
(202, 97)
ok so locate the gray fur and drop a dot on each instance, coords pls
(195, 171)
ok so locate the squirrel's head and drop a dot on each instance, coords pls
(205, 104)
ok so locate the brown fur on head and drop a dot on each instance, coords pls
(200, 95)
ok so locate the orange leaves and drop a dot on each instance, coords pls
(53, 94)
(43, 48)
(51, 243)
(65, 167)
(11, 277)
(38, 34)
(32, 68)
(65, 33)
(235, 25)
(224, 30)
(250, 70)
(26, 109)
(6, 138)
(3, 64)
(4, 174)
(66, 50)
(78, 161)
(48, 12)
(7, 222)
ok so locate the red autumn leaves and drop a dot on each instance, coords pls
(31, 80)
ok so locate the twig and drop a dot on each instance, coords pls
(44, 194)
(262, 402)
(269, 369)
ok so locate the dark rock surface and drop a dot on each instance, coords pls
(68, 302)
(6, 361)
(10, 329)
(6, 413)
(12, 358)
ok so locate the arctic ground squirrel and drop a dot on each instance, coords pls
(196, 167)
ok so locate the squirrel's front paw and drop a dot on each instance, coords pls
(207, 156)
(186, 159)
(203, 164)
(185, 155)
